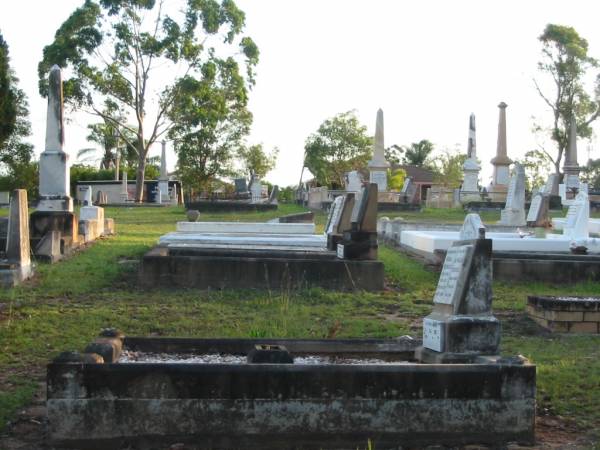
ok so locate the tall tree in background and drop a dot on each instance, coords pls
(115, 49)
(15, 155)
(448, 168)
(256, 162)
(537, 165)
(8, 108)
(341, 144)
(417, 153)
(566, 60)
(211, 121)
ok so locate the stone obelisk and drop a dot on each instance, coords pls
(501, 161)
(378, 166)
(571, 167)
(163, 180)
(54, 162)
(124, 191)
(471, 166)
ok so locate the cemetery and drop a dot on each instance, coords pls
(401, 294)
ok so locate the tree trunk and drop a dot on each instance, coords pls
(139, 182)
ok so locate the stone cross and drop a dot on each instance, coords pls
(17, 239)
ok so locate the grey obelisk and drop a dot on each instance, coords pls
(163, 180)
(124, 191)
(54, 162)
(501, 161)
(571, 167)
(471, 166)
(378, 166)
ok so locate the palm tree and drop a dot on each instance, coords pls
(416, 154)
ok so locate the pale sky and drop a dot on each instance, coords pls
(427, 64)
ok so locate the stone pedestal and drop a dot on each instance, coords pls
(378, 166)
(17, 266)
(163, 186)
(93, 213)
(501, 162)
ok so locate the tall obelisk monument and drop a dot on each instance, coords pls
(163, 180)
(471, 167)
(54, 162)
(501, 161)
(571, 166)
(378, 166)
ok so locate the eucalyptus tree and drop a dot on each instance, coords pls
(566, 61)
(8, 109)
(134, 54)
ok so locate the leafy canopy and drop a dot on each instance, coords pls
(341, 144)
(256, 162)
(137, 56)
(565, 60)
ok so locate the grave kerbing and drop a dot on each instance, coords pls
(462, 328)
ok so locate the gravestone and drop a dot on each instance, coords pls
(578, 215)
(513, 213)
(4, 198)
(378, 166)
(17, 238)
(273, 195)
(538, 210)
(551, 186)
(163, 179)
(360, 241)
(461, 327)
(86, 195)
(353, 181)
(256, 191)
(334, 212)
(241, 186)
(124, 190)
(340, 221)
(54, 211)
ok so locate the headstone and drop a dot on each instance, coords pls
(501, 161)
(551, 186)
(17, 238)
(378, 166)
(87, 195)
(273, 195)
(578, 216)
(193, 215)
(406, 185)
(461, 327)
(471, 167)
(54, 184)
(124, 191)
(353, 181)
(4, 198)
(513, 213)
(256, 190)
(360, 241)
(240, 185)
(538, 210)
(48, 248)
(334, 212)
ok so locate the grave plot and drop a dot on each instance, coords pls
(226, 255)
(565, 314)
(265, 393)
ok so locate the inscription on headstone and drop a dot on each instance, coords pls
(379, 177)
(432, 334)
(334, 216)
(572, 215)
(452, 279)
(510, 196)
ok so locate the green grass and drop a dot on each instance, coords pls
(66, 304)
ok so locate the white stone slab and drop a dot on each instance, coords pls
(93, 213)
(379, 177)
(558, 223)
(266, 240)
(534, 209)
(430, 241)
(454, 273)
(432, 334)
(246, 227)
(212, 246)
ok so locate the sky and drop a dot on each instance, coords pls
(427, 64)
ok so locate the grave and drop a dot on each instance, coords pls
(461, 327)
(15, 263)
(270, 255)
(538, 210)
(154, 392)
(565, 314)
(469, 190)
(378, 166)
(514, 211)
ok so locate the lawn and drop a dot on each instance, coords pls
(66, 305)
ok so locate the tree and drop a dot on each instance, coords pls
(106, 135)
(537, 167)
(566, 60)
(15, 155)
(416, 154)
(396, 179)
(116, 49)
(341, 144)
(393, 154)
(256, 162)
(8, 110)
(448, 168)
(591, 173)
(211, 121)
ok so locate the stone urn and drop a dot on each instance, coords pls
(193, 215)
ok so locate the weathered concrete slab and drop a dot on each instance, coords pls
(245, 239)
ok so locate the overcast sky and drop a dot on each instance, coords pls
(427, 64)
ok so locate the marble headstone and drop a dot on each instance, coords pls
(578, 216)
(513, 213)
(353, 181)
(54, 172)
(538, 210)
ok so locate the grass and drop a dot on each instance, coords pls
(66, 304)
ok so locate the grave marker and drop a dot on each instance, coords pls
(513, 213)
(461, 327)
